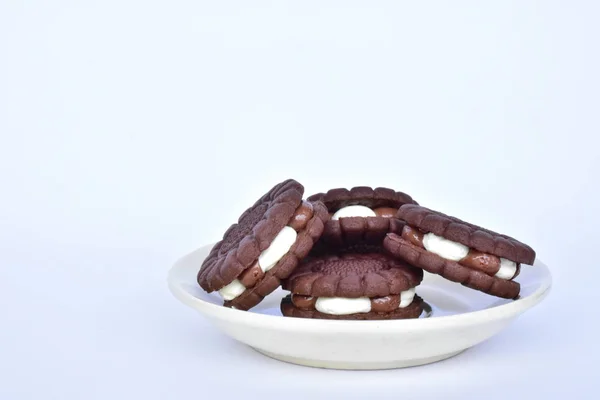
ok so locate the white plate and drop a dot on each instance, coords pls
(459, 318)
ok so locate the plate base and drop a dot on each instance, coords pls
(358, 365)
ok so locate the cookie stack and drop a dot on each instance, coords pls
(354, 254)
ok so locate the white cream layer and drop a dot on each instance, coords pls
(346, 306)
(407, 297)
(233, 290)
(343, 306)
(507, 270)
(444, 248)
(456, 251)
(279, 247)
(353, 211)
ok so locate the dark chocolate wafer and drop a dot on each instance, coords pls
(338, 198)
(352, 275)
(234, 259)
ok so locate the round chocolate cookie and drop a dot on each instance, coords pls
(353, 286)
(459, 251)
(360, 215)
(263, 247)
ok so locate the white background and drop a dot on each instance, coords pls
(132, 132)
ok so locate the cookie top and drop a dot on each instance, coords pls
(352, 275)
(338, 198)
(467, 234)
(244, 241)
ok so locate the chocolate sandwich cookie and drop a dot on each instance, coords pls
(360, 215)
(461, 252)
(353, 287)
(263, 247)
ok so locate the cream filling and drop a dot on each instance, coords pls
(233, 290)
(279, 247)
(507, 270)
(346, 306)
(343, 306)
(456, 251)
(353, 211)
(282, 243)
(444, 248)
(407, 297)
